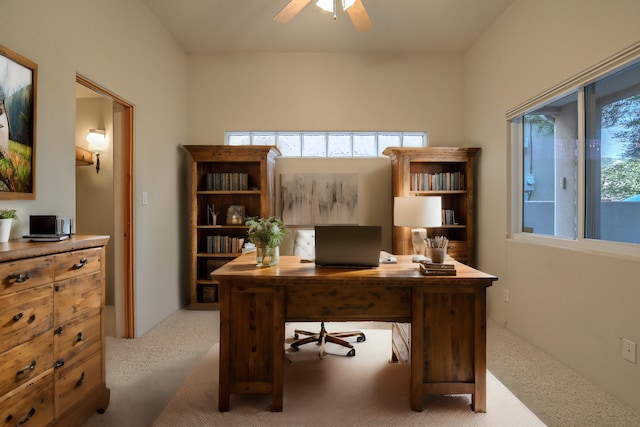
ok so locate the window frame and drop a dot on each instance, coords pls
(515, 153)
(327, 134)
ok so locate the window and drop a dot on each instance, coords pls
(329, 144)
(577, 157)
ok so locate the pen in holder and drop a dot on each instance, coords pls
(436, 248)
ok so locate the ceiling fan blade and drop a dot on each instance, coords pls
(290, 11)
(359, 17)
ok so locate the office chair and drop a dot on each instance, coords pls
(304, 246)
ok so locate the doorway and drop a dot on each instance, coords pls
(106, 206)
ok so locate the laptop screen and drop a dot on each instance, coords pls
(42, 224)
(353, 246)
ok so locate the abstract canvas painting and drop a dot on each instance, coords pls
(310, 199)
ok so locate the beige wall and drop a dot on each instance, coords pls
(281, 92)
(574, 304)
(120, 45)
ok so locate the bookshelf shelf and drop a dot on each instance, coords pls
(448, 172)
(221, 177)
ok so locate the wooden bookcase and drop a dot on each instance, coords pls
(438, 171)
(223, 176)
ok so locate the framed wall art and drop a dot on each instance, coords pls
(18, 84)
(309, 199)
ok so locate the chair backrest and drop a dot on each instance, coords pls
(304, 244)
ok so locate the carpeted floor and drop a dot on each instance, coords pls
(364, 390)
(146, 373)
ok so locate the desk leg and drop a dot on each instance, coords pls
(278, 350)
(479, 403)
(224, 294)
(417, 348)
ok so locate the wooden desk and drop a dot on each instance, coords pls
(447, 316)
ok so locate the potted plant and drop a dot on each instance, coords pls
(6, 218)
(266, 234)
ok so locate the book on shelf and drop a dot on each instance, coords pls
(441, 181)
(437, 271)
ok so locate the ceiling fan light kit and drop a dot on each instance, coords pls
(354, 8)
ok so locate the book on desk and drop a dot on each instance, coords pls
(437, 269)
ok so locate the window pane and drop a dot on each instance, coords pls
(364, 145)
(263, 138)
(549, 169)
(339, 145)
(414, 139)
(612, 157)
(239, 138)
(290, 144)
(314, 145)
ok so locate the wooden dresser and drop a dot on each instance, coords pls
(51, 331)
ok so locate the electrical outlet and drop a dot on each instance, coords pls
(506, 295)
(629, 350)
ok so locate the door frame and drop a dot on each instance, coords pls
(127, 200)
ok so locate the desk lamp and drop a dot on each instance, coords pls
(417, 212)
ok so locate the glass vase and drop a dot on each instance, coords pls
(267, 256)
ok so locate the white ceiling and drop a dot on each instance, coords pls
(399, 26)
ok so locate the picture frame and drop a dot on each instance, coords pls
(235, 215)
(18, 95)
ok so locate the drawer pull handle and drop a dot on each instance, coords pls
(80, 337)
(81, 264)
(59, 363)
(58, 330)
(81, 380)
(32, 317)
(31, 413)
(17, 317)
(29, 368)
(20, 277)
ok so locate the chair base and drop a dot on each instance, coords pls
(322, 337)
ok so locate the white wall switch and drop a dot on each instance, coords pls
(145, 198)
(629, 350)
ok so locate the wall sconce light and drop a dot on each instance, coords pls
(97, 142)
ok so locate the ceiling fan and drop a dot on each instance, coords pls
(354, 8)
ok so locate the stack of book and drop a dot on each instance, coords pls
(437, 269)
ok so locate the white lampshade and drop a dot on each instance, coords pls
(97, 139)
(417, 211)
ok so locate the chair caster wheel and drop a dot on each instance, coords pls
(361, 338)
(351, 352)
(294, 348)
(295, 336)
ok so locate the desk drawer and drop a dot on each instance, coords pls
(347, 301)
(25, 273)
(25, 315)
(30, 405)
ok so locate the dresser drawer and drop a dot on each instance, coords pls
(25, 273)
(29, 405)
(78, 298)
(75, 380)
(25, 362)
(77, 263)
(25, 315)
(75, 339)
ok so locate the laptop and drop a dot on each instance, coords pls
(348, 246)
(44, 228)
